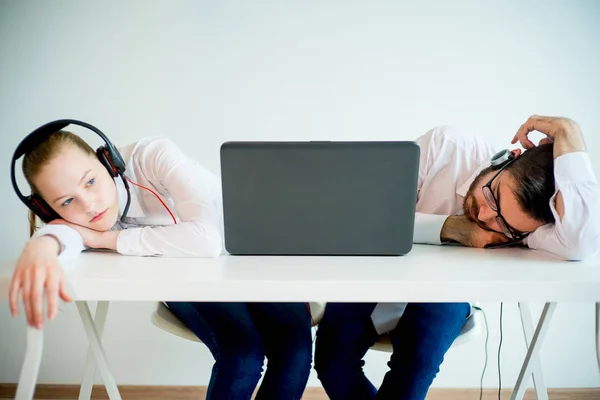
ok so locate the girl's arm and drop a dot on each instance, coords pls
(195, 193)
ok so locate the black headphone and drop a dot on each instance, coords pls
(107, 154)
(501, 159)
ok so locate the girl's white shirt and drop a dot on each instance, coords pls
(191, 191)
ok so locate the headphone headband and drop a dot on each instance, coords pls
(32, 140)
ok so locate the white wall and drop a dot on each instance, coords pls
(205, 72)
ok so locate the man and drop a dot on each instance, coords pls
(546, 198)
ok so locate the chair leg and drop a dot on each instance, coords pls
(87, 383)
(533, 350)
(98, 351)
(31, 364)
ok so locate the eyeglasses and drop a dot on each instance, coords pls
(495, 206)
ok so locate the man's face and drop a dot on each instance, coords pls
(477, 209)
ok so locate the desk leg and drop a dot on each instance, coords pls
(533, 351)
(98, 351)
(31, 364)
(538, 377)
(85, 391)
(598, 333)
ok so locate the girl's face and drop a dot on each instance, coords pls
(79, 188)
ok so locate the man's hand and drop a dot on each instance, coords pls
(466, 232)
(564, 132)
(92, 238)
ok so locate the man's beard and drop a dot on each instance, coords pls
(470, 205)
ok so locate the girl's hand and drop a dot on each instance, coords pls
(38, 271)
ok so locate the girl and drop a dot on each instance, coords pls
(165, 205)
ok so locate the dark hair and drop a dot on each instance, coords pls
(533, 173)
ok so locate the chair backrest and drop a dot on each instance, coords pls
(164, 319)
(317, 309)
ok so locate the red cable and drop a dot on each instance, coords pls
(159, 199)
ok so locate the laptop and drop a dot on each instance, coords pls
(319, 198)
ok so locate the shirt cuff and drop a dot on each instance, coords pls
(428, 228)
(573, 168)
(71, 242)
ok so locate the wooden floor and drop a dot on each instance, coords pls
(68, 392)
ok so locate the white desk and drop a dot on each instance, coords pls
(428, 273)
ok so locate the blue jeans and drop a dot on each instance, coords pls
(240, 335)
(423, 335)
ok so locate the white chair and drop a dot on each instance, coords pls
(164, 319)
(472, 329)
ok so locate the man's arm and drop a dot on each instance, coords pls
(440, 229)
(575, 235)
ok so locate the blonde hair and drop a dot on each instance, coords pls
(48, 149)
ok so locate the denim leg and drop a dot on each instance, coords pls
(229, 332)
(285, 330)
(423, 335)
(344, 336)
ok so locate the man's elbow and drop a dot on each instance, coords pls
(583, 250)
(578, 255)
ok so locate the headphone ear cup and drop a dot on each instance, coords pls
(116, 160)
(41, 208)
(500, 159)
(104, 156)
